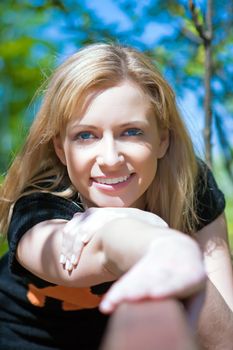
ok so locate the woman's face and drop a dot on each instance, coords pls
(111, 150)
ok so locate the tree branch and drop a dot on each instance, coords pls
(206, 34)
(199, 27)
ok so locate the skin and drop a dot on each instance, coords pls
(120, 104)
(116, 137)
(99, 144)
(213, 242)
(114, 249)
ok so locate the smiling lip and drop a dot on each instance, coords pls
(112, 183)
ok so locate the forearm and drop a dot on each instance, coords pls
(112, 251)
(115, 248)
(125, 241)
(147, 325)
(216, 322)
(39, 251)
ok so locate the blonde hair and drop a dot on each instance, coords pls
(171, 194)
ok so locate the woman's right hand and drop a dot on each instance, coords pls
(82, 227)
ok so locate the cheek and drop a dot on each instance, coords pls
(78, 159)
(147, 164)
(144, 156)
(77, 166)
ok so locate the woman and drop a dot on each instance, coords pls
(108, 136)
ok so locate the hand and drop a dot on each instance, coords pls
(82, 227)
(172, 267)
(73, 241)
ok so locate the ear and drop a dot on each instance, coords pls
(59, 149)
(164, 142)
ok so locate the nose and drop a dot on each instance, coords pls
(109, 154)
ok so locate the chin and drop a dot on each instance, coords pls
(113, 203)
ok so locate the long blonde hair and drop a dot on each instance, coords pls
(171, 195)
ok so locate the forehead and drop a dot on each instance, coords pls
(124, 101)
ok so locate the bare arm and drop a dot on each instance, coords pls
(214, 244)
(104, 258)
(216, 322)
(148, 325)
(170, 263)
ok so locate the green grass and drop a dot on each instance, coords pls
(3, 247)
(225, 184)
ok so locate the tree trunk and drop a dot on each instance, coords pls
(208, 94)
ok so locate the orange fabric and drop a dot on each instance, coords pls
(71, 298)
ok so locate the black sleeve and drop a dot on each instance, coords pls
(210, 201)
(29, 211)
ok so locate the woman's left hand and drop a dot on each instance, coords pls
(172, 267)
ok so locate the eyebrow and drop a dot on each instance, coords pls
(90, 126)
(77, 124)
(133, 122)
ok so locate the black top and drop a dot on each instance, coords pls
(210, 200)
(38, 315)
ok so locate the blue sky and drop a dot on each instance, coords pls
(110, 13)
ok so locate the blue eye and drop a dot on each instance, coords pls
(85, 135)
(133, 132)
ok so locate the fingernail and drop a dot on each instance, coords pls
(62, 259)
(74, 260)
(104, 306)
(85, 238)
(67, 266)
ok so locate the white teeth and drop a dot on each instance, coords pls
(112, 180)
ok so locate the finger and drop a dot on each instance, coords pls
(118, 293)
(70, 231)
(106, 307)
(108, 304)
(77, 250)
(66, 246)
(68, 265)
(62, 259)
(72, 224)
(74, 260)
(87, 236)
(66, 254)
